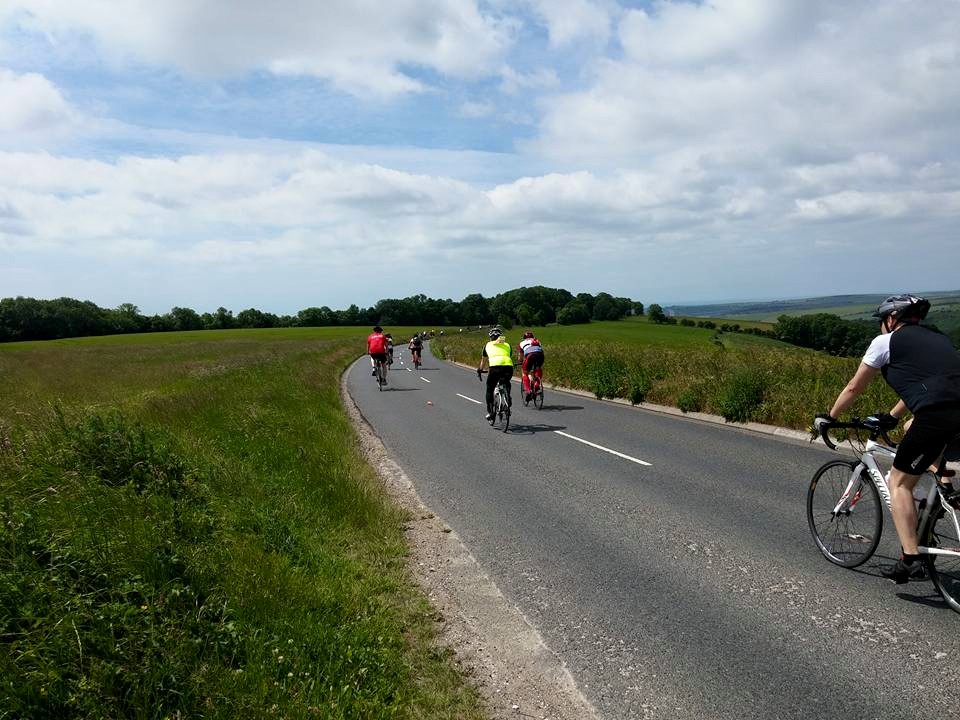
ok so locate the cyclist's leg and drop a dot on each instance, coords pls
(922, 446)
(903, 509)
(497, 374)
(507, 375)
(538, 368)
(491, 384)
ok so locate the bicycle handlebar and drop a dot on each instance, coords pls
(854, 424)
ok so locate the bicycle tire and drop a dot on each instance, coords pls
(848, 539)
(944, 570)
(538, 398)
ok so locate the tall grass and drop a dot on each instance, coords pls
(189, 530)
(741, 381)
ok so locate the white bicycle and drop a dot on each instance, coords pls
(846, 517)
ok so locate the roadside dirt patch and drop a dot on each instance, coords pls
(501, 653)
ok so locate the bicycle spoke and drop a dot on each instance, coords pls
(944, 569)
(852, 536)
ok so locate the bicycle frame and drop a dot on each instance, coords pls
(869, 463)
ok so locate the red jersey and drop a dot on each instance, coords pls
(376, 344)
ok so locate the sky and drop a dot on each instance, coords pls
(297, 153)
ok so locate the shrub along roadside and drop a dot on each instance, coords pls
(218, 549)
(779, 386)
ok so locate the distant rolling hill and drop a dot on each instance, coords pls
(946, 305)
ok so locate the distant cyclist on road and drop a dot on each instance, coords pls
(498, 356)
(416, 348)
(377, 348)
(530, 354)
(922, 366)
(389, 338)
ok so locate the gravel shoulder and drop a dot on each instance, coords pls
(497, 648)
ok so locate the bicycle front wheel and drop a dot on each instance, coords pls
(940, 531)
(850, 536)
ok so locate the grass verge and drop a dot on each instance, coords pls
(188, 529)
(739, 377)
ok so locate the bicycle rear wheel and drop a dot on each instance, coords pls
(538, 397)
(940, 531)
(851, 536)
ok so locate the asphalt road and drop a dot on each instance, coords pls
(686, 588)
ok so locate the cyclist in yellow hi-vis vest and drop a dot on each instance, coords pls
(498, 356)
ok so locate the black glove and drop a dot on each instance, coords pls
(887, 421)
(480, 373)
(822, 420)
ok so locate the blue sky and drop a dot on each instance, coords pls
(302, 153)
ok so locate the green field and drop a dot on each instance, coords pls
(189, 530)
(740, 377)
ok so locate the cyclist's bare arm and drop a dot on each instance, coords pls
(858, 383)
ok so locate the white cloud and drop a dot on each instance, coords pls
(865, 167)
(797, 82)
(571, 20)
(29, 103)
(361, 46)
(473, 109)
(718, 129)
(855, 204)
(514, 82)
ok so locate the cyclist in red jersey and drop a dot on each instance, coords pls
(377, 348)
(530, 353)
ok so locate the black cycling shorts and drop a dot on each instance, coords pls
(532, 361)
(379, 357)
(932, 429)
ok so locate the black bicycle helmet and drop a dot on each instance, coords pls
(377, 328)
(495, 333)
(910, 308)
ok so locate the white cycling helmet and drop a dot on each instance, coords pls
(911, 308)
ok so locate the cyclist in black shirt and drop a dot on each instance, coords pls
(923, 367)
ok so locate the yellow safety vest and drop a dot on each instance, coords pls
(499, 354)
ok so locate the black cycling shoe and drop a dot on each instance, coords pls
(901, 572)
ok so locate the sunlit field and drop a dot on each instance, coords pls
(740, 377)
(189, 530)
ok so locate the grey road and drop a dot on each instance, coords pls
(688, 587)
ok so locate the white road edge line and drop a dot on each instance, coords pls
(424, 379)
(601, 447)
(470, 399)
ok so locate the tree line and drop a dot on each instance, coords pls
(23, 318)
(824, 332)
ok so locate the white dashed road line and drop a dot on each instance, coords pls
(601, 447)
(574, 437)
(424, 379)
